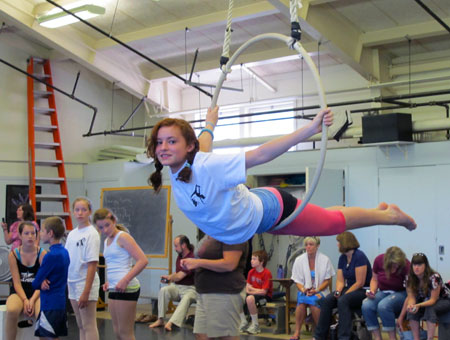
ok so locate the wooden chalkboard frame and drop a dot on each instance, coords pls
(167, 215)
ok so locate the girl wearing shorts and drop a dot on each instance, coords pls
(24, 262)
(83, 245)
(209, 188)
(123, 286)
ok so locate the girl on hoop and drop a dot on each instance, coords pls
(209, 188)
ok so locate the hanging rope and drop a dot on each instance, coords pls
(323, 145)
(227, 41)
(296, 32)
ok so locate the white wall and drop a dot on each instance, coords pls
(74, 120)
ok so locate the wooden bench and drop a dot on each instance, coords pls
(275, 311)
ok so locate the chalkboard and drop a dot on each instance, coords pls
(16, 195)
(144, 212)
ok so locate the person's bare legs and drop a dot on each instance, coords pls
(168, 326)
(315, 312)
(415, 329)
(157, 323)
(387, 214)
(14, 307)
(251, 305)
(376, 334)
(122, 314)
(300, 315)
(431, 329)
(392, 335)
(86, 320)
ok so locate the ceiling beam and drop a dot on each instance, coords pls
(245, 58)
(399, 33)
(419, 67)
(321, 23)
(217, 18)
(78, 47)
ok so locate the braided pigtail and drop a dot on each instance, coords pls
(155, 179)
(185, 174)
(188, 134)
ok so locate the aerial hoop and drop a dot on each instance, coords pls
(323, 149)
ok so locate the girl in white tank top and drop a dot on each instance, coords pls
(119, 251)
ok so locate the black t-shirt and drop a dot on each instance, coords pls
(211, 282)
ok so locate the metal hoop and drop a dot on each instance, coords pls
(323, 149)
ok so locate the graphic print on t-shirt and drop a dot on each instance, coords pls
(197, 196)
(81, 243)
(27, 277)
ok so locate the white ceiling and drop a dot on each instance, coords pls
(368, 35)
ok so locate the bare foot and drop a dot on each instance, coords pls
(402, 218)
(168, 326)
(157, 323)
(382, 206)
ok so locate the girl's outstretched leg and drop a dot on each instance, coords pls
(387, 214)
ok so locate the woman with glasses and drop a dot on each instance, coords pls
(387, 292)
(427, 297)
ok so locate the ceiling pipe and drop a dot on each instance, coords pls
(127, 47)
(434, 15)
(352, 132)
(407, 82)
(379, 99)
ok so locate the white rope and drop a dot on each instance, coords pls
(294, 5)
(227, 40)
(295, 26)
(323, 148)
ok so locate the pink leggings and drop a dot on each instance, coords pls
(312, 221)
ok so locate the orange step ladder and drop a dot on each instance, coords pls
(44, 142)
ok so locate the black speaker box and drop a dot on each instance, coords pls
(387, 128)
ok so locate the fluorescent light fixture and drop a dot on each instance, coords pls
(62, 18)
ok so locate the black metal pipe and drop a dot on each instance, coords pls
(193, 65)
(307, 116)
(76, 83)
(434, 15)
(47, 84)
(310, 107)
(446, 106)
(132, 113)
(399, 103)
(127, 46)
(92, 122)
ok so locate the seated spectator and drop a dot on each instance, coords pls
(353, 278)
(259, 288)
(24, 262)
(427, 297)
(181, 288)
(25, 212)
(387, 292)
(312, 273)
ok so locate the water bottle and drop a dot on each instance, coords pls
(280, 272)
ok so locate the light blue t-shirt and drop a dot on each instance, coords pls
(215, 199)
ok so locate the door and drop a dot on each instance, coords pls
(413, 189)
(443, 220)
